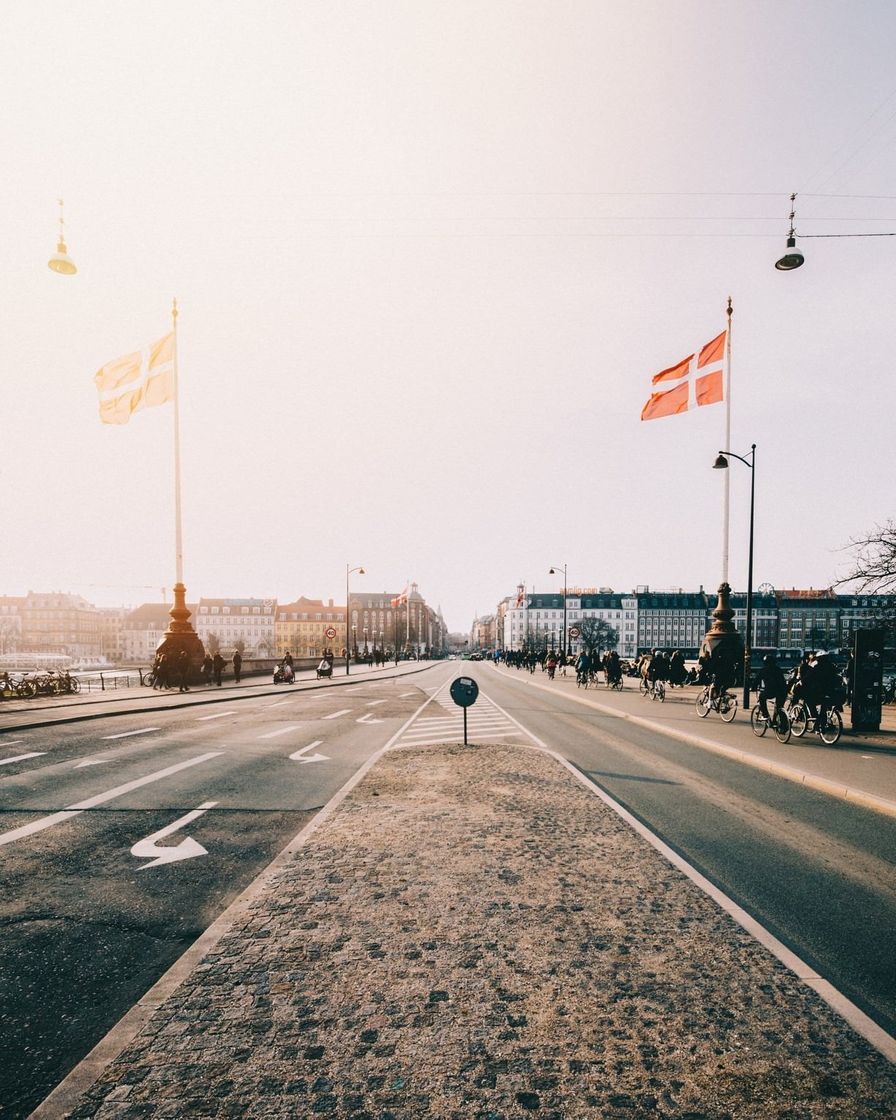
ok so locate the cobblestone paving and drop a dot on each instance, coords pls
(472, 934)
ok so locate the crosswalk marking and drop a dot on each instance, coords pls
(484, 721)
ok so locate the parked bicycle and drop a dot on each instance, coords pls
(828, 723)
(779, 722)
(725, 704)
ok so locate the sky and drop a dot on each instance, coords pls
(427, 259)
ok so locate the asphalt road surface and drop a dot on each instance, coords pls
(123, 837)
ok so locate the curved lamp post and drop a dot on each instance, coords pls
(721, 463)
(348, 644)
(556, 571)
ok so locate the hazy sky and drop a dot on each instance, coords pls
(427, 258)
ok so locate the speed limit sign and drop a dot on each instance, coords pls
(574, 631)
(330, 631)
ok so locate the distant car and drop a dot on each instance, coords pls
(476, 657)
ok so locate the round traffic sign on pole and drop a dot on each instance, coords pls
(330, 632)
(464, 691)
(574, 632)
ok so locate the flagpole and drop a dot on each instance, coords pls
(727, 474)
(180, 635)
(178, 525)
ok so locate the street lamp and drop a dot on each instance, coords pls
(348, 652)
(721, 464)
(61, 262)
(556, 571)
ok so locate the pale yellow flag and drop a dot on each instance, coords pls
(139, 380)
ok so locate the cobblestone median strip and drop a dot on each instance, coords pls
(472, 933)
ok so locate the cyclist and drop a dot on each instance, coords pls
(613, 668)
(583, 667)
(720, 670)
(825, 681)
(772, 684)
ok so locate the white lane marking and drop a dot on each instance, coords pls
(91, 762)
(188, 848)
(280, 731)
(335, 715)
(373, 703)
(217, 715)
(357, 688)
(277, 704)
(368, 718)
(19, 757)
(303, 756)
(11, 742)
(403, 695)
(101, 799)
(125, 734)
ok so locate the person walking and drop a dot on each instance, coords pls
(237, 665)
(207, 667)
(183, 670)
(218, 664)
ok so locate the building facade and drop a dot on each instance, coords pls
(142, 630)
(246, 624)
(308, 627)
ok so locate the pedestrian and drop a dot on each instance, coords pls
(163, 671)
(183, 670)
(218, 664)
(237, 665)
(207, 666)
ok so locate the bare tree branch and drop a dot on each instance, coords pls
(874, 560)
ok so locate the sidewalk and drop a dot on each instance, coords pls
(472, 933)
(52, 709)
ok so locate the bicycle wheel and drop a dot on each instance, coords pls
(782, 726)
(758, 722)
(702, 704)
(643, 686)
(833, 728)
(727, 707)
(74, 685)
(660, 692)
(799, 719)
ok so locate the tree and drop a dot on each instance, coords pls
(596, 634)
(213, 644)
(874, 569)
(240, 644)
(874, 560)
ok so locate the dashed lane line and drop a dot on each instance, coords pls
(335, 715)
(21, 757)
(126, 734)
(217, 715)
(280, 731)
(101, 799)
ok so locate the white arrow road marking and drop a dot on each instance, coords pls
(186, 849)
(100, 799)
(125, 734)
(217, 715)
(19, 757)
(92, 762)
(368, 719)
(300, 756)
(334, 715)
(280, 731)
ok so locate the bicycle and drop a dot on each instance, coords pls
(616, 683)
(659, 691)
(779, 723)
(828, 723)
(725, 705)
(582, 678)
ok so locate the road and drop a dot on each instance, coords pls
(93, 909)
(124, 836)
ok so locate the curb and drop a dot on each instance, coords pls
(779, 769)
